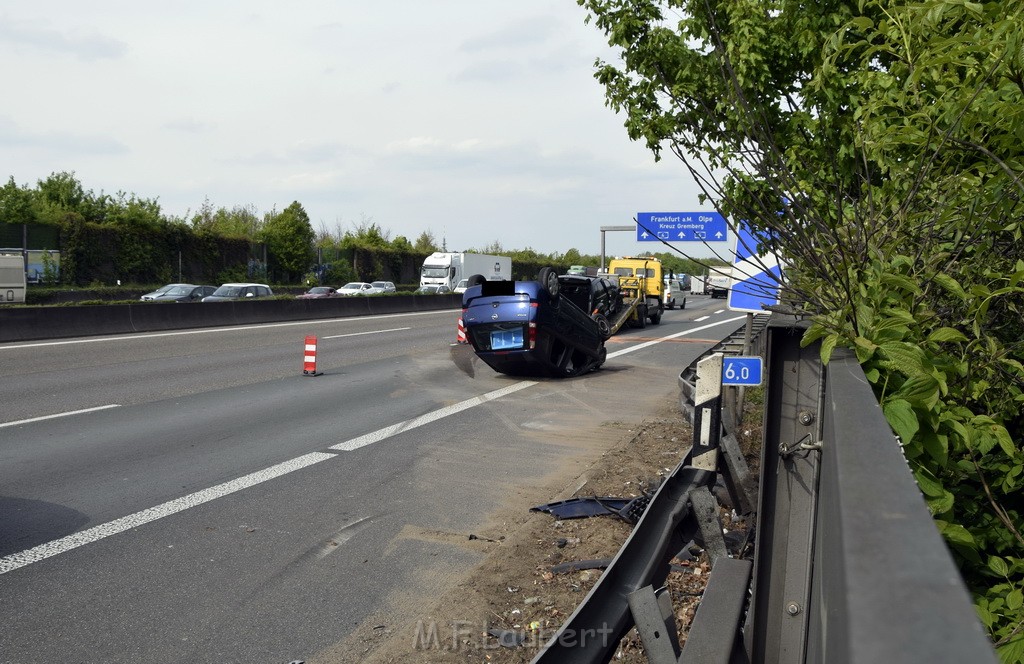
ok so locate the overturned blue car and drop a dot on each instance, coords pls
(524, 328)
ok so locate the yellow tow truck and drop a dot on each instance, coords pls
(641, 285)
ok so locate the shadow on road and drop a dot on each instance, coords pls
(28, 523)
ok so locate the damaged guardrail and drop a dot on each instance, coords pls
(848, 565)
(629, 593)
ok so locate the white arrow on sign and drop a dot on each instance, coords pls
(682, 234)
(644, 235)
(718, 234)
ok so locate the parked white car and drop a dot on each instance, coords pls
(382, 287)
(355, 288)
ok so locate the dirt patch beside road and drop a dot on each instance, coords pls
(510, 604)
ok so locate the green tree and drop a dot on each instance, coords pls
(289, 237)
(426, 243)
(875, 147)
(17, 204)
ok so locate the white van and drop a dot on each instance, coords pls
(12, 278)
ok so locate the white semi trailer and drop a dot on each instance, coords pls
(443, 268)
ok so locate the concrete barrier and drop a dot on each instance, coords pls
(33, 323)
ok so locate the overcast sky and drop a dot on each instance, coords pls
(476, 120)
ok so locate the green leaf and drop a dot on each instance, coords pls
(1012, 652)
(1015, 599)
(998, 566)
(937, 447)
(920, 390)
(828, 345)
(929, 485)
(1005, 442)
(901, 417)
(951, 285)
(906, 358)
(947, 334)
(956, 534)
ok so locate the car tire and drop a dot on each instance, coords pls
(549, 279)
(603, 326)
(476, 280)
(641, 316)
(656, 318)
(683, 305)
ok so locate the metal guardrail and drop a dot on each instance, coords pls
(849, 565)
(848, 568)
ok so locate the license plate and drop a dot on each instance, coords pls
(506, 339)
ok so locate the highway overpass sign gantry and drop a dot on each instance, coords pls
(681, 227)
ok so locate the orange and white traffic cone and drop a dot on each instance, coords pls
(460, 334)
(309, 358)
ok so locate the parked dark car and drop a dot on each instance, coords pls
(317, 293)
(241, 291)
(179, 293)
(525, 328)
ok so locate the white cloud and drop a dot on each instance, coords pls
(38, 36)
(476, 121)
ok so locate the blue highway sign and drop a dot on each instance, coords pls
(681, 227)
(755, 278)
(741, 371)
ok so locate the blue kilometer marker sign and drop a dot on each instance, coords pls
(741, 371)
(681, 227)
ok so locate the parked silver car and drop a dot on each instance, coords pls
(382, 287)
(179, 293)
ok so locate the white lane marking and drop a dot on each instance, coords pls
(56, 415)
(64, 544)
(401, 427)
(673, 336)
(358, 334)
(720, 311)
(702, 318)
(213, 330)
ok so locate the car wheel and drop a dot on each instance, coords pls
(683, 305)
(549, 279)
(603, 326)
(656, 318)
(641, 316)
(475, 280)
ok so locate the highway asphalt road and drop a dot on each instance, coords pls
(192, 497)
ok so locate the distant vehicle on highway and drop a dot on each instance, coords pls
(317, 293)
(433, 289)
(674, 294)
(356, 288)
(179, 293)
(238, 291)
(461, 286)
(528, 328)
(382, 287)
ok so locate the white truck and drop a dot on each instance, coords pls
(12, 278)
(719, 281)
(443, 268)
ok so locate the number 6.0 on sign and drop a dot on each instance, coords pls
(741, 371)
